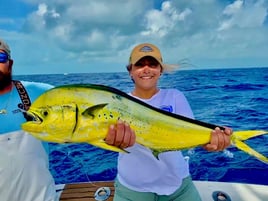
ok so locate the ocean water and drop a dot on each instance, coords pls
(237, 98)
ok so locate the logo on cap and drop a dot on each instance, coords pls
(146, 49)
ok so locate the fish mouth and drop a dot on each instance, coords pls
(33, 117)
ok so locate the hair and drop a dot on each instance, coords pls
(169, 68)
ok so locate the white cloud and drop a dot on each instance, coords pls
(103, 32)
(42, 9)
(244, 14)
(160, 22)
(233, 8)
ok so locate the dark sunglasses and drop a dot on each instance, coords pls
(3, 57)
(151, 64)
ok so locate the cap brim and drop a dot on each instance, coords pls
(136, 59)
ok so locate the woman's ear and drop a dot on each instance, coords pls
(129, 66)
(161, 71)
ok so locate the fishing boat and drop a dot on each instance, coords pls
(209, 191)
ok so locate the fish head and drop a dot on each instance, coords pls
(52, 123)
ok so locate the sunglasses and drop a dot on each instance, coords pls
(151, 64)
(3, 57)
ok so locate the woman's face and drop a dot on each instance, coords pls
(146, 73)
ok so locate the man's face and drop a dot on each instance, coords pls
(5, 71)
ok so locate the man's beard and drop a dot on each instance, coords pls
(5, 80)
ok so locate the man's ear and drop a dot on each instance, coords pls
(10, 64)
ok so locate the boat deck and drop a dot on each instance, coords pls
(85, 191)
(209, 191)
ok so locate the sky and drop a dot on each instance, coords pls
(90, 36)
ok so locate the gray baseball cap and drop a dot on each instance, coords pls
(5, 47)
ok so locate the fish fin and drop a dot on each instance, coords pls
(156, 153)
(244, 147)
(106, 146)
(92, 111)
(244, 135)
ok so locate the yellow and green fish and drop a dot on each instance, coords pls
(82, 113)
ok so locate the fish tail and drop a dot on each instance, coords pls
(244, 135)
(238, 138)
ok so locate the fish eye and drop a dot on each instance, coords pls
(45, 113)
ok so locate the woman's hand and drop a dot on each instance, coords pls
(220, 139)
(120, 135)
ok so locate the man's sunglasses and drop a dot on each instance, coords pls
(3, 57)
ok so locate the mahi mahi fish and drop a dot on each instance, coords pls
(82, 113)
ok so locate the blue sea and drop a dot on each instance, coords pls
(237, 98)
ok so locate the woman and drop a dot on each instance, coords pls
(142, 177)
